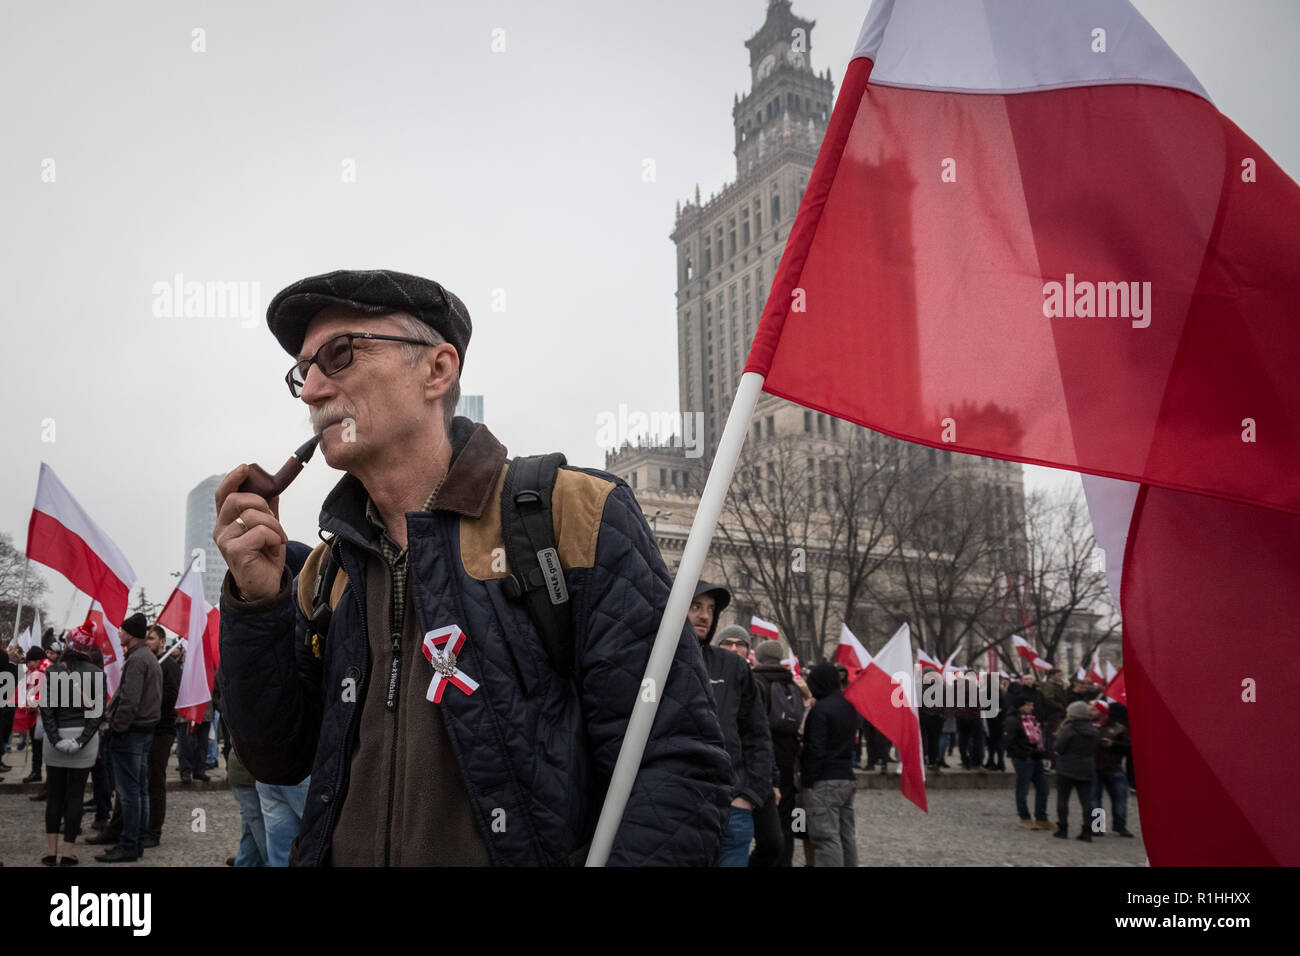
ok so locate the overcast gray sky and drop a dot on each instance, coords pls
(518, 170)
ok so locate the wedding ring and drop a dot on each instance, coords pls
(240, 522)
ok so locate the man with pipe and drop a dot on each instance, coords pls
(437, 724)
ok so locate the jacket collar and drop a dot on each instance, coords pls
(476, 460)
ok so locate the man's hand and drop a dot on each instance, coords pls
(250, 538)
(67, 746)
(776, 792)
(742, 803)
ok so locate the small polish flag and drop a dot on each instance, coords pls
(189, 614)
(62, 536)
(885, 694)
(762, 628)
(109, 644)
(1115, 688)
(1094, 670)
(791, 664)
(927, 661)
(1027, 652)
(851, 653)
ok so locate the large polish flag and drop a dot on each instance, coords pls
(765, 629)
(62, 536)
(850, 652)
(885, 694)
(189, 614)
(1034, 237)
(109, 642)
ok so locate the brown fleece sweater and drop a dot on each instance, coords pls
(403, 759)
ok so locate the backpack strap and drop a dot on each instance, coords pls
(536, 579)
(319, 591)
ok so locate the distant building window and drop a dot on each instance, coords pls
(771, 426)
(835, 426)
(807, 422)
(758, 430)
(663, 477)
(634, 479)
(821, 424)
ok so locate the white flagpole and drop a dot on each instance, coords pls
(674, 617)
(21, 588)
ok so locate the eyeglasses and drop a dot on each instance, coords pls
(732, 642)
(334, 356)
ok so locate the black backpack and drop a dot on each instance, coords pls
(784, 708)
(536, 579)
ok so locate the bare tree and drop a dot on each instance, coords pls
(805, 527)
(767, 532)
(12, 560)
(1055, 587)
(942, 578)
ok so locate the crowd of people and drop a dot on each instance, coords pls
(124, 751)
(794, 744)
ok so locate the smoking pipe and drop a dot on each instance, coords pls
(261, 482)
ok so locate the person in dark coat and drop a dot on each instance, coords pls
(74, 698)
(8, 674)
(1076, 755)
(131, 720)
(782, 701)
(1026, 746)
(444, 714)
(164, 735)
(1054, 702)
(931, 715)
(1113, 746)
(828, 769)
(997, 725)
(744, 725)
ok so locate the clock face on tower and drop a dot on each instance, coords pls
(766, 66)
(794, 57)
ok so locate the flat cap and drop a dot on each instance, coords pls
(371, 292)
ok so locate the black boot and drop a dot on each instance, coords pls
(120, 854)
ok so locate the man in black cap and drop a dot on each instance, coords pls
(744, 725)
(131, 719)
(440, 723)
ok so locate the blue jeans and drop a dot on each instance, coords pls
(736, 837)
(101, 776)
(1027, 772)
(1115, 783)
(252, 835)
(211, 756)
(282, 817)
(130, 756)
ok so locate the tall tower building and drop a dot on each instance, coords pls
(200, 519)
(728, 247)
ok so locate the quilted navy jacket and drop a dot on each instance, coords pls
(530, 742)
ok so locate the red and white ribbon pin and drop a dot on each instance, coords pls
(441, 647)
